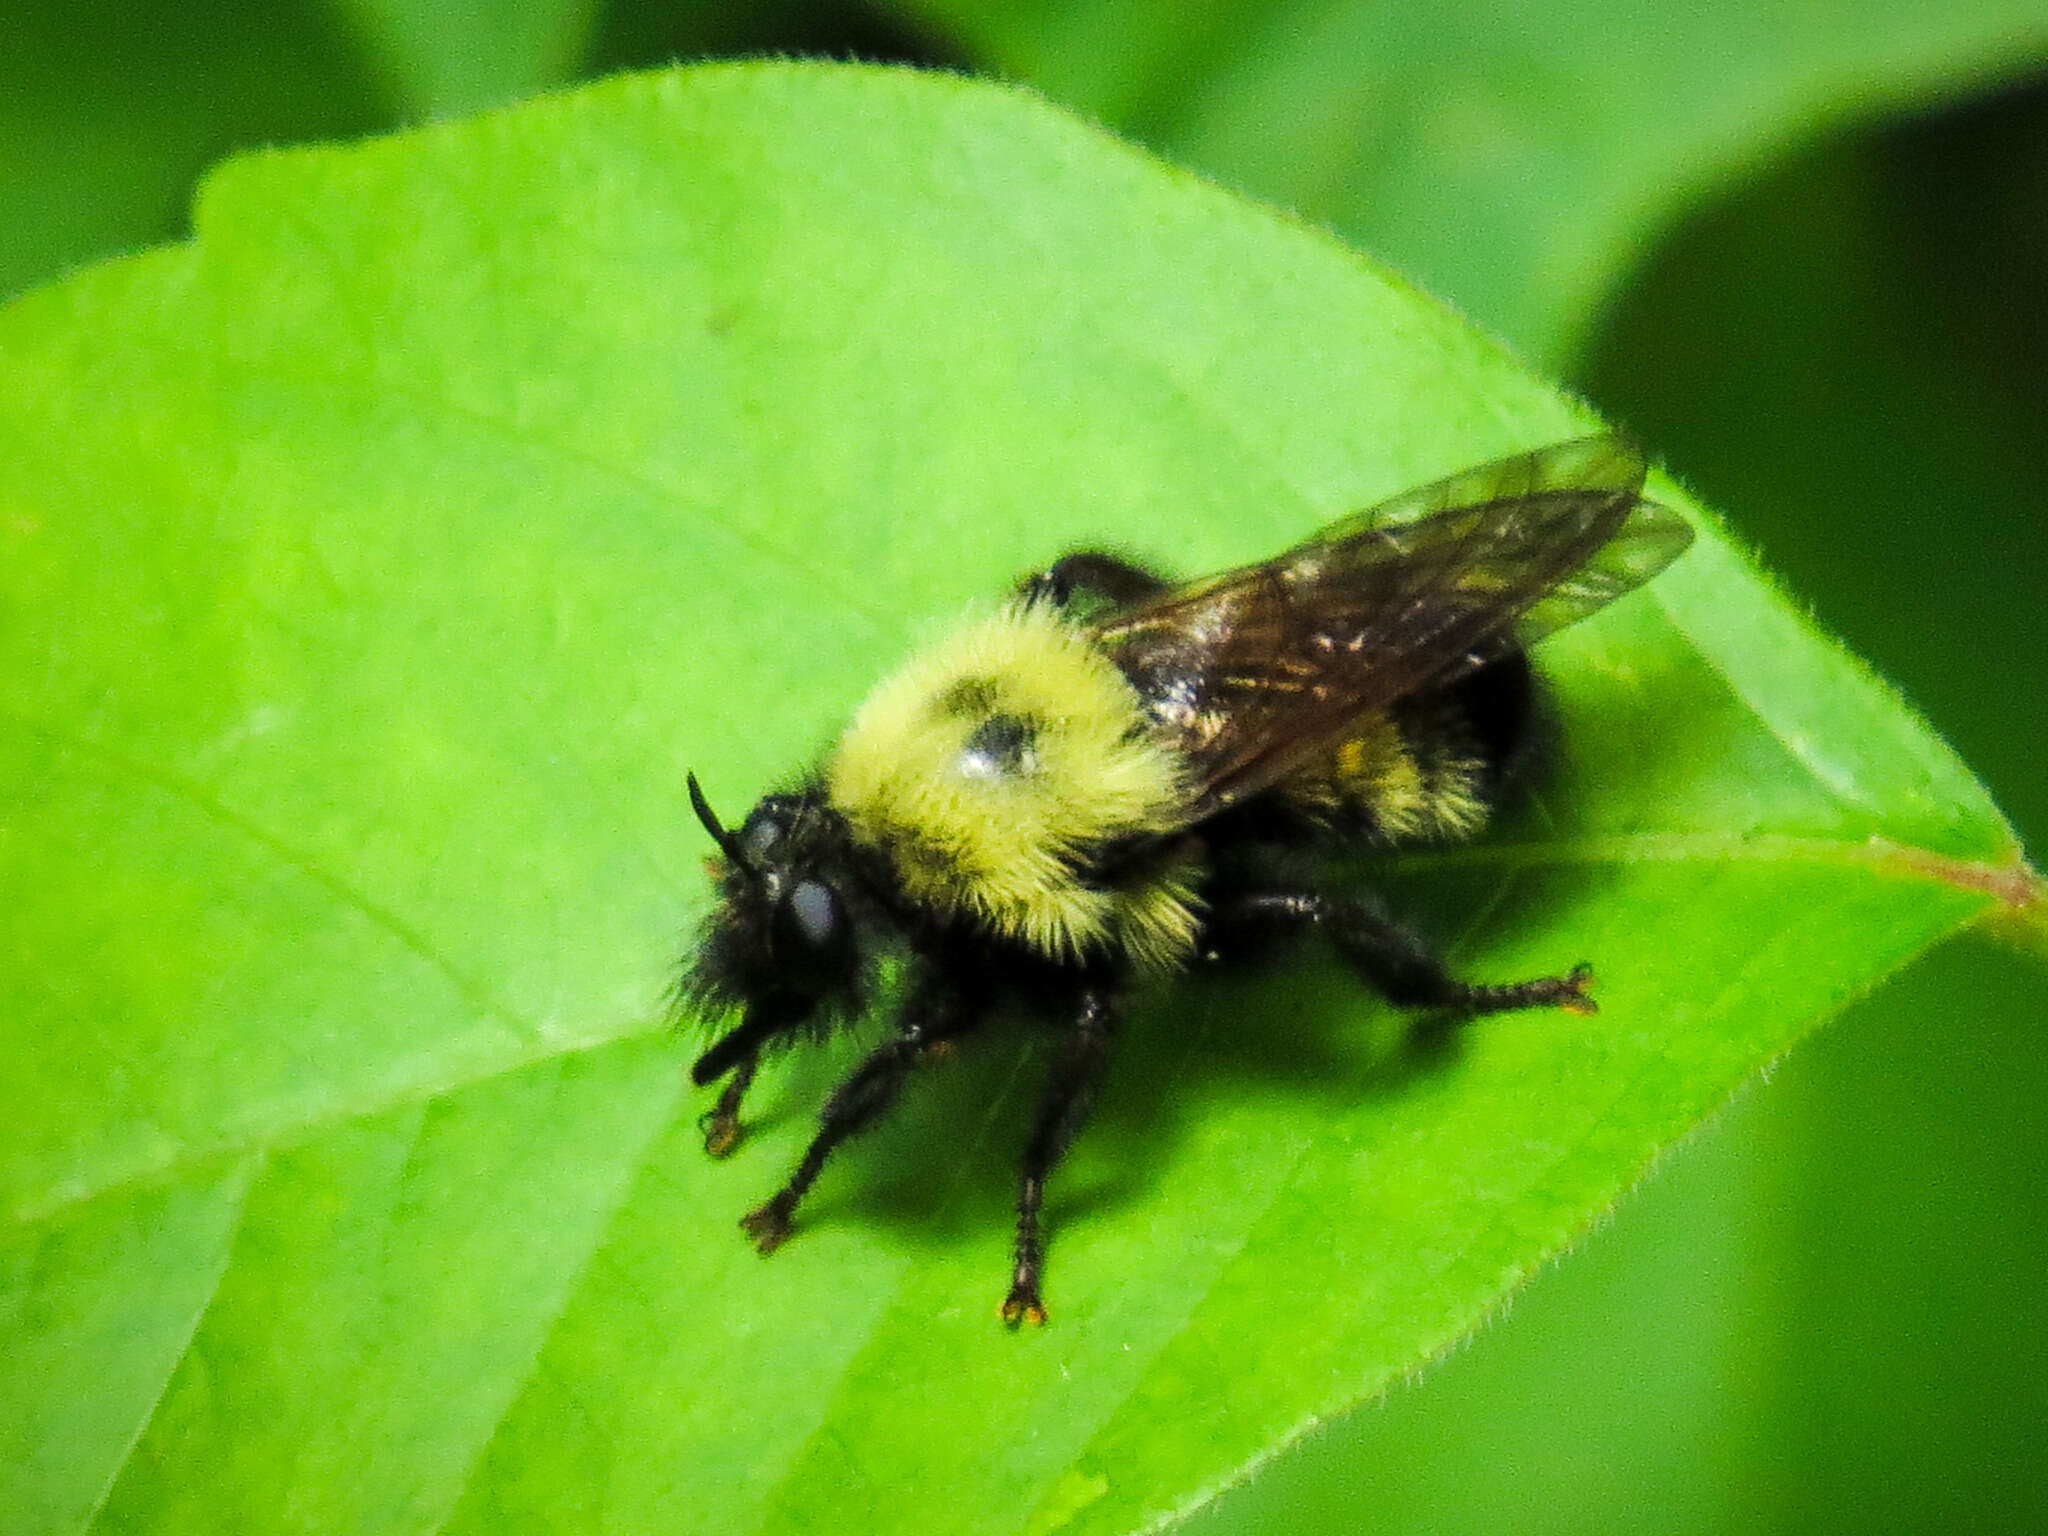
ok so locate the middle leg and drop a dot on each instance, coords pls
(940, 1007)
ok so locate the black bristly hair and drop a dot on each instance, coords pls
(783, 945)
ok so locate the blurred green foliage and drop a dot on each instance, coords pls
(1803, 250)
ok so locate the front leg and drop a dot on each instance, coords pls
(1394, 961)
(738, 1051)
(1069, 1094)
(940, 1007)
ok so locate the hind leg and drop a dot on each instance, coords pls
(1395, 962)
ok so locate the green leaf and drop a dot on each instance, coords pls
(1515, 158)
(376, 564)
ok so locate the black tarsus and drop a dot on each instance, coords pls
(1062, 1111)
(721, 1124)
(1111, 578)
(1392, 960)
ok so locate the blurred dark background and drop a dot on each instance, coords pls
(1801, 250)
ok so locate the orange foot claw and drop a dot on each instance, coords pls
(769, 1225)
(1575, 999)
(721, 1134)
(1022, 1305)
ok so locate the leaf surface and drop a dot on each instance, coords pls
(375, 566)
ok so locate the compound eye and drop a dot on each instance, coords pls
(812, 940)
(814, 913)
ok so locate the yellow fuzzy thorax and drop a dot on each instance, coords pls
(993, 759)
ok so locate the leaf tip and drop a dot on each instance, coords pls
(2022, 917)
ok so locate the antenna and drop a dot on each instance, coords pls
(728, 843)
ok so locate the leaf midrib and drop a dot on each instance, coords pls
(2013, 883)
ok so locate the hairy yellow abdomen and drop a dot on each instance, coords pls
(1414, 780)
(992, 765)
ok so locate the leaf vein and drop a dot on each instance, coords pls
(246, 1178)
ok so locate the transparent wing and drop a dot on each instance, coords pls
(1254, 671)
